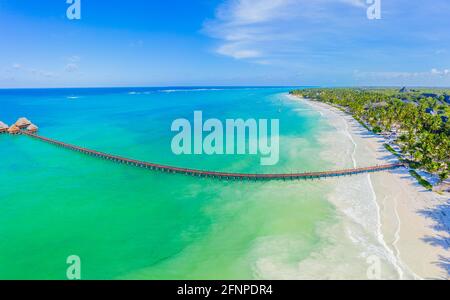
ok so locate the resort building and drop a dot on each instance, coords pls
(23, 123)
(404, 90)
(430, 111)
(3, 127)
(447, 98)
(32, 128)
(14, 129)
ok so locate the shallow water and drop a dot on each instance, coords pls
(125, 222)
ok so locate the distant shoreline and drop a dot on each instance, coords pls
(214, 86)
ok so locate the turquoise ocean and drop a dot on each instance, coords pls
(130, 223)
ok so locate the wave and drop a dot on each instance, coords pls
(176, 90)
(389, 254)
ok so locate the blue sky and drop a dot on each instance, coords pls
(224, 42)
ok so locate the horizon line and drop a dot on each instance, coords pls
(223, 86)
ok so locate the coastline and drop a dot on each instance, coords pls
(405, 211)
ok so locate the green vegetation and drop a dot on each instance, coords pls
(421, 181)
(419, 178)
(390, 149)
(417, 120)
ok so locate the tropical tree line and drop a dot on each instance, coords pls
(418, 123)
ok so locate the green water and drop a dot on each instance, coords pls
(129, 223)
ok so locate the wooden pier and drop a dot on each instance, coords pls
(213, 174)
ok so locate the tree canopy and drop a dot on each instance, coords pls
(418, 119)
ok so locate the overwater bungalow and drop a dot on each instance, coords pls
(23, 123)
(14, 129)
(32, 128)
(3, 127)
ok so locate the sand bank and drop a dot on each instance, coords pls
(403, 217)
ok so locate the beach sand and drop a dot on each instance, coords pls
(402, 215)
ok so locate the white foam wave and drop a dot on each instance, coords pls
(347, 132)
(390, 254)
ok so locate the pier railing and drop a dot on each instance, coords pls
(214, 174)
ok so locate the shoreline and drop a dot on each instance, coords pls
(406, 212)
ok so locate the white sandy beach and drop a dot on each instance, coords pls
(389, 205)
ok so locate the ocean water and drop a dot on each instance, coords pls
(128, 223)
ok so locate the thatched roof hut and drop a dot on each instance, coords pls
(3, 127)
(32, 128)
(14, 129)
(23, 123)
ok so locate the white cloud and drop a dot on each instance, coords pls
(24, 72)
(71, 67)
(444, 72)
(42, 73)
(356, 3)
(19, 70)
(386, 75)
(244, 12)
(238, 52)
(434, 71)
(401, 75)
(249, 29)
